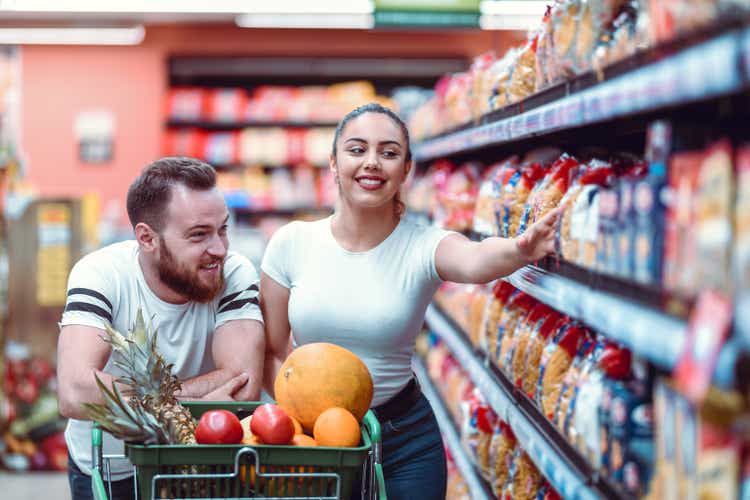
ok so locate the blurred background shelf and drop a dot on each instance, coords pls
(478, 487)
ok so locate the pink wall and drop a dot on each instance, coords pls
(58, 82)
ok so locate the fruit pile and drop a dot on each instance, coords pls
(31, 436)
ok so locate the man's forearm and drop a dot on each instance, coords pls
(198, 387)
(74, 395)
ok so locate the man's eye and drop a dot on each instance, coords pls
(223, 230)
(197, 236)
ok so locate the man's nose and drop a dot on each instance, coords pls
(217, 246)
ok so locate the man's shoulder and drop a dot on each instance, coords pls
(118, 256)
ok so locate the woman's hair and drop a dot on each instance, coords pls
(374, 107)
(151, 192)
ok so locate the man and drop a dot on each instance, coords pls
(202, 299)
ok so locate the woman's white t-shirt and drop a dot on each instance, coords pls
(372, 303)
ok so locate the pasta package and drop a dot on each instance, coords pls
(502, 448)
(516, 309)
(741, 253)
(556, 359)
(524, 479)
(540, 335)
(522, 78)
(502, 292)
(565, 401)
(516, 359)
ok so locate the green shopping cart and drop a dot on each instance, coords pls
(240, 471)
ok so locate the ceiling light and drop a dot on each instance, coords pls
(72, 36)
(513, 7)
(189, 6)
(509, 22)
(306, 21)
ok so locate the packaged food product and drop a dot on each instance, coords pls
(524, 479)
(564, 29)
(517, 194)
(680, 237)
(709, 453)
(225, 105)
(458, 198)
(671, 18)
(585, 431)
(457, 99)
(516, 309)
(741, 251)
(477, 306)
(649, 198)
(557, 357)
(590, 347)
(521, 82)
(481, 89)
(502, 447)
(625, 216)
(543, 51)
(477, 431)
(500, 72)
(185, 103)
(184, 142)
(501, 293)
(713, 207)
(553, 187)
(538, 339)
(518, 354)
(490, 192)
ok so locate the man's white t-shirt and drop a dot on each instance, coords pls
(372, 303)
(108, 286)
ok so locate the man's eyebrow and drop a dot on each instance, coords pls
(198, 226)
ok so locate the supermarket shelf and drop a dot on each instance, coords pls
(281, 212)
(227, 126)
(477, 486)
(647, 331)
(562, 465)
(678, 79)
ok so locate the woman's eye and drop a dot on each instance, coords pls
(356, 151)
(390, 154)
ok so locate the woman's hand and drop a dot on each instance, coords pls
(538, 241)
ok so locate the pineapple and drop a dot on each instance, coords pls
(150, 412)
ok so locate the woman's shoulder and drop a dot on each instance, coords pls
(418, 229)
(299, 229)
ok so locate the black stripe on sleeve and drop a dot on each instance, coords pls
(91, 293)
(233, 296)
(237, 304)
(86, 307)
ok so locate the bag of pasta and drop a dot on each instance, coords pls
(502, 292)
(485, 219)
(479, 92)
(522, 78)
(520, 351)
(557, 357)
(477, 431)
(590, 347)
(564, 19)
(516, 194)
(554, 187)
(512, 343)
(543, 52)
(540, 336)
(524, 480)
(507, 172)
(517, 309)
(502, 449)
(500, 73)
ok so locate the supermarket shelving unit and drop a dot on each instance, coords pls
(219, 126)
(704, 72)
(661, 79)
(562, 465)
(477, 486)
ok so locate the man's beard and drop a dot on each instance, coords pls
(184, 281)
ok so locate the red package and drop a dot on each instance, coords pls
(185, 103)
(184, 142)
(225, 105)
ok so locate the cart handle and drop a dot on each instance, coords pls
(373, 426)
(97, 483)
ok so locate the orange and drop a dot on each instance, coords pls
(297, 425)
(319, 376)
(336, 427)
(303, 440)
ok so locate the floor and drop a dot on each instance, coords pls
(49, 486)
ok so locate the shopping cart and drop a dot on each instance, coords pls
(239, 471)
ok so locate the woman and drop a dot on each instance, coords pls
(363, 279)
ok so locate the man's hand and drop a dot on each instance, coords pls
(538, 240)
(227, 391)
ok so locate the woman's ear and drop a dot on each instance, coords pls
(333, 166)
(407, 168)
(146, 237)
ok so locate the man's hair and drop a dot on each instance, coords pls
(151, 192)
